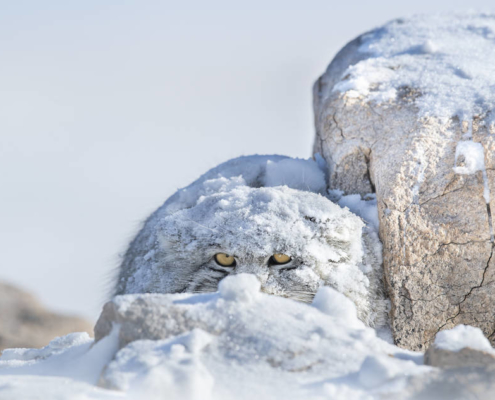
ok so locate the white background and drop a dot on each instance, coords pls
(107, 107)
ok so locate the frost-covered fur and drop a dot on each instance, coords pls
(253, 207)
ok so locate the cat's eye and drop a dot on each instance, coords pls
(225, 260)
(280, 258)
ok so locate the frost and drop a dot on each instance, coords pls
(463, 336)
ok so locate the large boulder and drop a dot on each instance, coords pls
(406, 111)
(24, 322)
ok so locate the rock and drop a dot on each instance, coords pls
(24, 322)
(277, 347)
(151, 317)
(390, 112)
(462, 346)
(182, 345)
(449, 384)
(466, 357)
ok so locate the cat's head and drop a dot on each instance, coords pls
(294, 241)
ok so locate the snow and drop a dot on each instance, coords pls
(378, 370)
(297, 174)
(273, 170)
(335, 304)
(463, 336)
(73, 356)
(474, 157)
(32, 387)
(148, 369)
(449, 59)
(257, 222)
(245, 345)
(238, 344)
(365, 207)
(243, 287)
(446, 63)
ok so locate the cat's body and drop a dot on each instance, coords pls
(253, 208)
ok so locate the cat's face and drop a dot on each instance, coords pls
(293, 241)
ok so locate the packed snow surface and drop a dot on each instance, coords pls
(447, 62)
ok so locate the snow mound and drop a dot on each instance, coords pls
(335, 304)
(252, 171)
(148, 369)
(242, 287)
(221, 346)
(446, 61)
(462, 336)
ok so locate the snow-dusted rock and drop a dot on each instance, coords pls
(24, 322)
(240, 343)
(449, 384)
(406, 111)
(463, 346)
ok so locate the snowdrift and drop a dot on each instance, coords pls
(235, 344)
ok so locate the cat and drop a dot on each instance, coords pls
(265, 215)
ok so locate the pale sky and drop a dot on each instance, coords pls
(107, 107)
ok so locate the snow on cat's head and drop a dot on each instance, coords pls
(262, 215)
(243, 217)
(293, 241)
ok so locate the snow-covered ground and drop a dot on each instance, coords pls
(250, 346)
(257, 346)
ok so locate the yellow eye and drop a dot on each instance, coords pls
(225, 259)
(280, 258)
